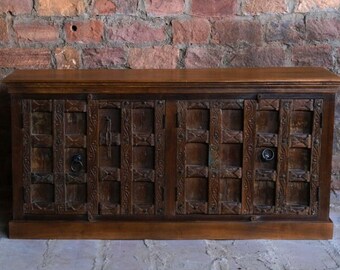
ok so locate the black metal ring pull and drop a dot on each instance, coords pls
(77, 163)
(267, 154)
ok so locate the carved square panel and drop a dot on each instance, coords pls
(76, 193)
(264, 193)
(42, 160)
(301, 122)
(198, 119)
(75, 123)
(299, 158)
(196, 189)
(143, 120)
(143, 193)
(267, 121)
(143, 157)
(41, 123)
(196, 154)
(42, 193)
(231, 155)
(298, 193)
(109, 156)
(110, 192)
(232, 120)
(230, 190)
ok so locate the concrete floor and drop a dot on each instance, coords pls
(156, 255)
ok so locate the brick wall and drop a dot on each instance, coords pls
(68, 34)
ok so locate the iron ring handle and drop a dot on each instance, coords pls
(267, 154)
(77, 163)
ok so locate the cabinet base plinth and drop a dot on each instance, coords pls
(233, 230)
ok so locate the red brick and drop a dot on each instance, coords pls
(310, 55)
(126, 6)
(287, 29)
(323, 29)
(231, 32)
(198, 57)
(36, 31)
(251, 7)
(16, 6)
(61, 7)
(3, 30)
(312, 5)
(164, 7)
(259, 57)
(136, 32)
(214, 8)
(194, 31)
(104, 7)
(84, 31)
(25, 58)
(67, 58)
(104, 58)
(154, 58)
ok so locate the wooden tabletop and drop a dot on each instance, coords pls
(290, 74)
(43, 81)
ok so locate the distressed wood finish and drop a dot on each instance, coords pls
(172, 154)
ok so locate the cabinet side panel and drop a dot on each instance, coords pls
(17, 158)
(326, 153)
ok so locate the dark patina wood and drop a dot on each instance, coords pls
(172, 154)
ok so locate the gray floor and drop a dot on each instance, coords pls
(155, 255)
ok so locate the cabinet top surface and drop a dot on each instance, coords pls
(290, 74)
(228, 77)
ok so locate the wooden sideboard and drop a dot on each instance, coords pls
(172, 154)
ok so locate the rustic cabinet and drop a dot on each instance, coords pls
(228, 153)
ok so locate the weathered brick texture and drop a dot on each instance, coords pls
(137, 32)
(72, 34)
(164, 7)
(214, 8)
(252, 7)
(3, 30)
(60, 7)
(67, 58)
(16, 7)
(36, 31)
(194, 31)
(25, 58)
(91, 31)
(157, 57)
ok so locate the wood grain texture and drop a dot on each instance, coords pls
(282, 80)
(171, 230)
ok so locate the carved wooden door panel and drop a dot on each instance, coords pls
(210, 146)
(54, 150)
(131, 157)
(248, 156)
(288, 183)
